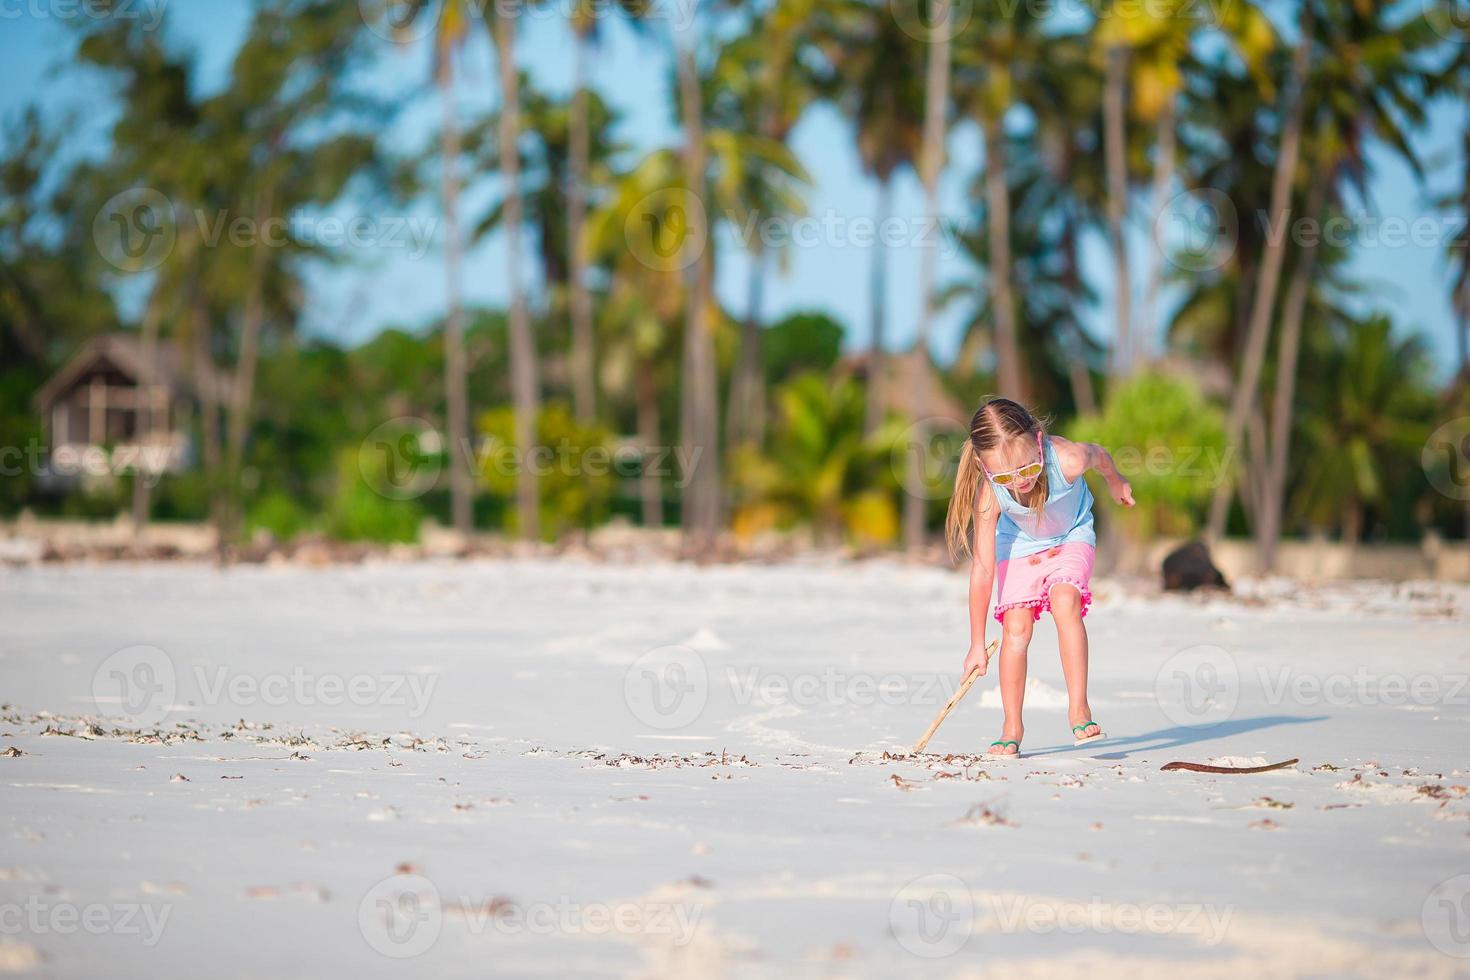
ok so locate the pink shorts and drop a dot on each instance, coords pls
(1028, 581)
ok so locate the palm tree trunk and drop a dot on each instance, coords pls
(1259, 328)
(524, 384)
(700, 428)
(746, 421)
(460, 489)
(204, 386)
(584, 387)
(1078, 372)
(1114, 135)
(144, 410)
(931, 161)
(1010, 376)
(650, 483)
(1163, 183)
(238, 425)
(877, 297)
(1287, 351)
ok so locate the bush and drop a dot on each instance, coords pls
(357, 512)
(278, 514)
(1169, 442)
(574, 464)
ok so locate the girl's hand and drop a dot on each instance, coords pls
(1122, 491)
(978, 657)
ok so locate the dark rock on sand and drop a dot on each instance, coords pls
(1188, 567)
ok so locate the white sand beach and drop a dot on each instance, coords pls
(561, 768)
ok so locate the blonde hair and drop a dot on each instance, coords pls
(994, 424)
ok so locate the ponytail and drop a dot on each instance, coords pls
(961, 516)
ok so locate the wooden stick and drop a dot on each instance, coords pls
(1226, 770)
(960, 692)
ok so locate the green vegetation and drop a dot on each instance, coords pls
(1249, 386)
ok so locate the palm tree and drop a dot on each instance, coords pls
(524, 376)
(1114, 36)
(762, 85)
(1385, 97)
(882, 91)
(1370, 425)
(158, 111)
(931, 161)
(585, 22)
(1163, 45)
(1264, 299)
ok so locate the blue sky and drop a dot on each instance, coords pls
(387, 287)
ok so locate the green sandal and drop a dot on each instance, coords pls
(1090, 738)
(1005, 755)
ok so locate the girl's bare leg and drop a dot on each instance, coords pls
(1016, 626)
(1066, 611)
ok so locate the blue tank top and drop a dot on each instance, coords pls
(1066, 519)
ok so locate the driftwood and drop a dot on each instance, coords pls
(1227, 770)
(960, 692)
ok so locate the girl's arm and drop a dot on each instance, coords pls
(1079, 457)
(982, 578)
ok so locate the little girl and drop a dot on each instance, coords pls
(1033, 513)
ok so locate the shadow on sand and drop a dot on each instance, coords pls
(1113, 749)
